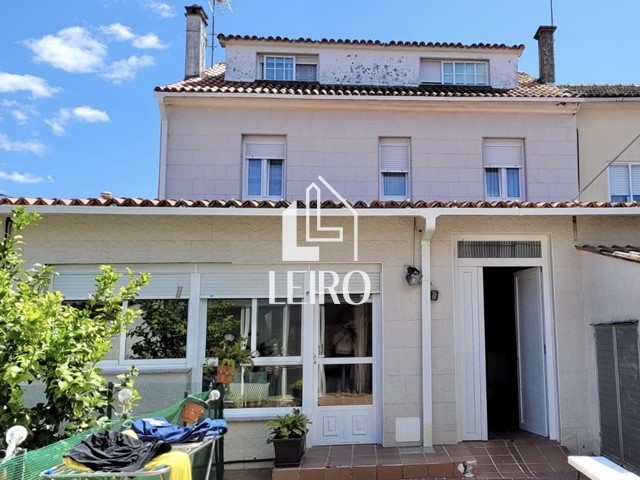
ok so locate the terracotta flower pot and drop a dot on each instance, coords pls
(193, 409)
(225, 373)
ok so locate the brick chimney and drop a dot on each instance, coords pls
(196, 41)
(546, 57)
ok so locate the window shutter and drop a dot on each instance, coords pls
(264, 147)
(430, 71)
(619, 179)
(394, 155)
(503, 152)
(635, 180)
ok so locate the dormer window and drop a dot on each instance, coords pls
(450, 72)
(301, 68)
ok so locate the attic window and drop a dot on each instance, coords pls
(449, 72)
(302, 68)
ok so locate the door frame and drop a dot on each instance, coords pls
(311, 318)
(471, 347)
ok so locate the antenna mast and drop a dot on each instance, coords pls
(212, 6)
(551, 4)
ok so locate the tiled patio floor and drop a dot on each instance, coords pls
(515, 458)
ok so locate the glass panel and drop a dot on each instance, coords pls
(620, 198)
(227, 316)
(346, 384)
(254, 178)
(481, 73)
(492, 180)
(394, 184)
(513, 182)
(447, 73)
(635, 181)
(114, 352)
(159, 331)
(265, 386)
(275, 178)
(459, 68)
(307, 73)
(347, 330)
(279, 330)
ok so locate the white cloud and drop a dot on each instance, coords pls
(32, 146)
(38, 87)
(21, 112)
(126, 69)
(83, 113)
(23, 177)
(161, 9)
(71, 49)
(20, 116)
(148, 41)
(118, 31)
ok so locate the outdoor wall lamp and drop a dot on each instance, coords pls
(413, 276)
(434, 294)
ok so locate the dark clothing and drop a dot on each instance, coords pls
(112, 451)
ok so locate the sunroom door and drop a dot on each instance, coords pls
(344, 374)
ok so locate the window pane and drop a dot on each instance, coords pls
(254, 179)
(492, 180)
(394, 184)
(620, 198)
(227, 316)
(447, 79)
(513, 182)
(447, 68)
(266, 386)
(159, 331)
(459, 68)
(635, 180)
(279, 330)
(275, 178)
(335, 382)
(481, 74)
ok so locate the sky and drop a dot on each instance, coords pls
(77, 111)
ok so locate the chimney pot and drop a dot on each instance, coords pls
(546, 56)
(196, 41)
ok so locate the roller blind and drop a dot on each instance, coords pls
(264, 147)
(503, 152)
(80, 286)
(394, 155)
(430, 71)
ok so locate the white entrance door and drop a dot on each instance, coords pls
(344, 380)
(531, 351)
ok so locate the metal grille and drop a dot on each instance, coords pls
(499, 249)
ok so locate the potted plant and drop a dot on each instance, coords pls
(288, 433)
(296, 389)
(231, 354)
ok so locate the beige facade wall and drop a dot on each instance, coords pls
(188, 240)
(339, 140)
(605, 129)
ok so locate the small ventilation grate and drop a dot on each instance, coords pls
(498, 249)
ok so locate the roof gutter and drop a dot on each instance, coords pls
(428, 213)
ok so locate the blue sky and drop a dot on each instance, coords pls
(77, 110)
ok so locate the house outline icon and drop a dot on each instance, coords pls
(291, 251)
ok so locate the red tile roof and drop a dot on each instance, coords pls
(604, 91)
(329, 204)
(377, 43)
(213, 81)
(629, 252)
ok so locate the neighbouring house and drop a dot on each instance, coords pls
(439, 157)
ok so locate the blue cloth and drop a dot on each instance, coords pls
(151, 429)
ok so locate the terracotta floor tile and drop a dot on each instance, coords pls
(498, 451)
(441, 470)
(415, 471)
(286, 474)
(364, 473)
(500, 459)
(389, 472)
(484, 460)
(312, 474)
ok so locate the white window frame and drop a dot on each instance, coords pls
(502, 169)
(289, 361)
(264, 168)
(297, 60)
(630, 168)
(397, 142)
(453, 63)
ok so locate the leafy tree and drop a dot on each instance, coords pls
(45, 341)
(162, 333)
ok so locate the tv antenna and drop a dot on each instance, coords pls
(551, 6)
(224, 5)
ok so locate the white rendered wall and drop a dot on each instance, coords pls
(357, 65)
(204, 149)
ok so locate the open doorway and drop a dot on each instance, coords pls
(514, 349)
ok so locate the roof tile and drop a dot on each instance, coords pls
(213, 81)
(628, 252)
(604, 91)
